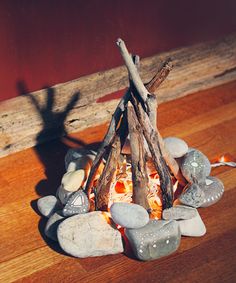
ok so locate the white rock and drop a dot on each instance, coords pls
(72, 181)
(78, 154)
(192, 227)
(48, 205)
(88, 235)
(129, 215)
(177, 147)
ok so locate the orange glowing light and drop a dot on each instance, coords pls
(222, 159)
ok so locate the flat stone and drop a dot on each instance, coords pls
(157, 239)
(129, 215)
(192, 227)
(213, 190)
(177, 147)
(179, 212)
(52, 224)
(89, 235)
(195, 166)
(77, 203)
(48, 205)
(63, 195)
(192, 195)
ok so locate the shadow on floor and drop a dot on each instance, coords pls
(51, 151)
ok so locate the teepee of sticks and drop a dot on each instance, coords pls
(135, 116)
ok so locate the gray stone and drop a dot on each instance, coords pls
(77, 203)
(195, 166)
(179, 212)
(88, 235)
(52, 224)
(63, 194)
(76, 159)
(129, 215)
(48, 205)
(192, 227)
(192, 195)
(157, 239)
(213, 190)
(177, 147)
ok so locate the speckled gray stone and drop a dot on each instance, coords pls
(193, 227)
(48, 205)
(88, 235)
(177, 147)
(52, 224)
(195, 166)
(157, 239)
(129, 215)
(192, 195)
(63, 195)
(77, 203)
(213, 190)
(179, 212)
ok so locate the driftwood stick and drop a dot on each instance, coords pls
(160, 76)
(134, 75)
(108, 175)
(108, 139)
(153, 142)
(139, 170)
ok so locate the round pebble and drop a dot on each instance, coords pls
(48, 205)
(52, 224)
(195, 166)
(192, 195)
(213, 190)
(177, 147)
(129, 215)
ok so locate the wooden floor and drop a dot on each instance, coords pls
(207, 121)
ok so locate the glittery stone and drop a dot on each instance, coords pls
(192, 195)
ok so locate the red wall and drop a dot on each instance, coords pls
(48, 42)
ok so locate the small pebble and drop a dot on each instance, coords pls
(195, 166)
(77, 203)
(177, 147)
(72, 181)
(48, 205)
(52, 224)
(179, 212)
(129, 215)
(193, 227)
(213, 190)
(192, 195)
(63, 194)
(156, 239)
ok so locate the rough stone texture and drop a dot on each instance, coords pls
(213, 190)
(48, 205)
(63, 194)
(195, 166)
(179, 212)
(77, 203)
(157, 239)
(192, 227)
(52, 224)
(129, 215)
(192, 195)
(88, 235)
(177, 147)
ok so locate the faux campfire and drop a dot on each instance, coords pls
(138, 189)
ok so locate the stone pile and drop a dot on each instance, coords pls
(82, 232)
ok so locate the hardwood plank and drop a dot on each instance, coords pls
(28, 119)
(26, 256)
